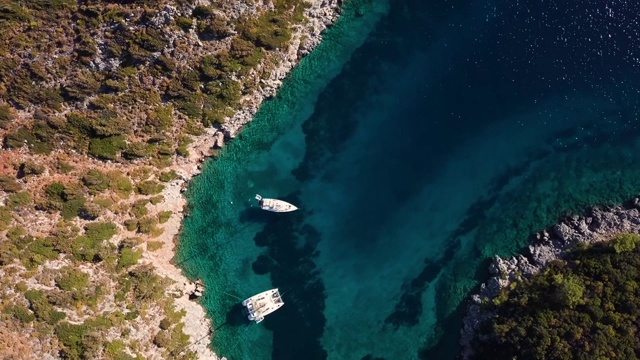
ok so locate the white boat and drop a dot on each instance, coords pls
(275, 205)
(263, 304)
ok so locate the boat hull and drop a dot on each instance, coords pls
(275, 205)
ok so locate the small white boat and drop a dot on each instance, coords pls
(263, 304)
(275, 205)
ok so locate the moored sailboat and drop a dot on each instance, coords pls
(275, 205)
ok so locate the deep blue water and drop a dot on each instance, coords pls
(419, 140)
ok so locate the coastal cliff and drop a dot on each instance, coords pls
(106, 112)
(597, 225)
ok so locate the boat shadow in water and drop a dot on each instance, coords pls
(255, 215)
(237, 316)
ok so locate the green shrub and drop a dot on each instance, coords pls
(38, 251)
(167, 176)
(120, 184)
(90, 247)
(67, 199)
(155, 200)
(146, 284)
(139, 208)
(81, 86)
(149, 187)
(9, 184)
(202, 12)
(161, 119)
(13, 12)
(162, 339)
(19, 200)
(31, 168)
(165, 324)
(131, 224)
(270, 30)
(72, 280)
(92, 211)
(132, 315)
(116, 350)
(128, 257)
(95, 181)
(42, 309)
(147, 226)
(6, 116)
(625, 242)
(16, 233)
(64, 167)
(136, 150)
(107, 148)
(5, 217)
(19, 138)
(20, 312)
(55, 192)
(164, 216)
(154, 245)
(184, 23)
(71, 208)
(72, 336)
(100, 231)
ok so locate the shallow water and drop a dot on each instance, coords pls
(419, 140)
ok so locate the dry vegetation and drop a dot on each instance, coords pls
(99, 103)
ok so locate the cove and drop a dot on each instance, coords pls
(450, 134)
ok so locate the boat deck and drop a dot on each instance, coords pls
(263, 304)
(276, 205)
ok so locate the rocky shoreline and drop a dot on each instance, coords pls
(596, 225)
(320, 14)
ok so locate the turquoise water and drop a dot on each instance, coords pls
(418, 140)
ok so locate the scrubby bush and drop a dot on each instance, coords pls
(20, 312)
(72, 336)
(107, 148)
(149, 187)
(136, 150)
(155, 200)
(145, 283)
(72, 280)
(154, 245)
(90, 246)
(19, 200)
(68, 199)
(95, 181)
(184, 23)
(128, 257)
(9, 184)
(6, 116)
(41, 307)
(625, 242)
(139, 208)
(120, 184)
(147, 226)
(131, 224)
(81, 86)
(164, 216)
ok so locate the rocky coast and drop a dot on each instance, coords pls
(595, 225)
(120, 124)
(320, 14)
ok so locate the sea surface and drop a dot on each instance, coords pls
(420, 139)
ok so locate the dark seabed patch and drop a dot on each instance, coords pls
(290, 248)
(455, 131)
